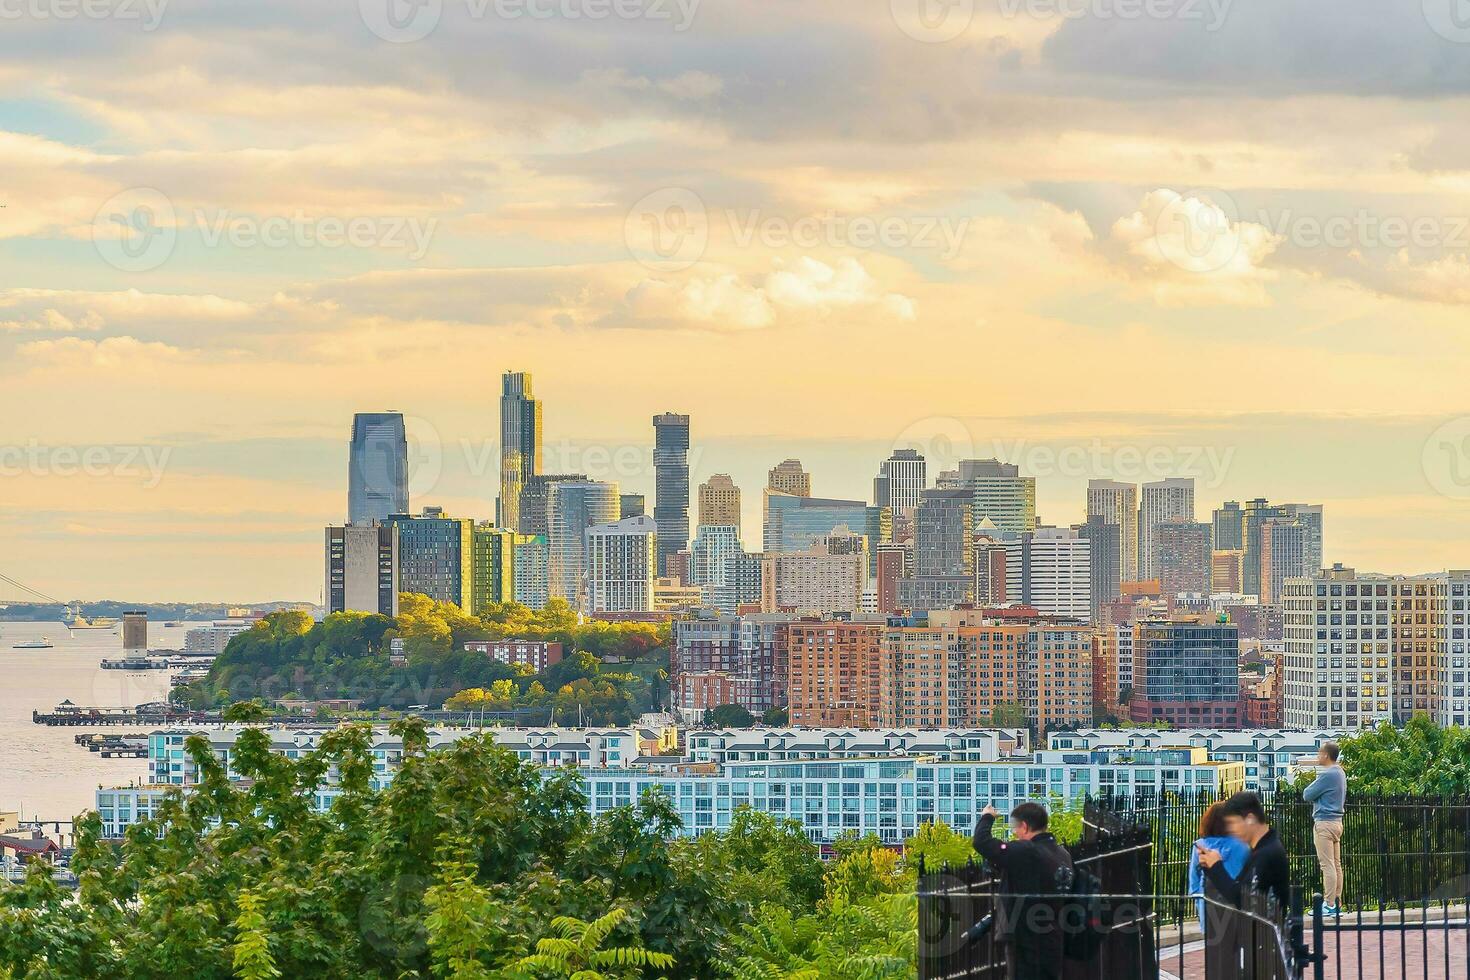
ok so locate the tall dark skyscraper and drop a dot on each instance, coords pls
(520, 445)
(671, 485)
(377, 467)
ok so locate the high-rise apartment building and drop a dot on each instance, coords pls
(719, 502)
(835, 673)
(726, 575)
(958, 668)
(571, 509)
(1050, 569)
(1227, 571)
(671, 485)
(892, 564)
(494, 566)
(1183, 558)
(722, 659)
(1367, 649)
(901, 478)
(1164, 502)
(436, 556)
(520, 446)
(532, 558)
(1105, 555)
(377, 467)
(1186, 673)
(1117, 503)
(620, 566)
(815, 581)
(1284, 549)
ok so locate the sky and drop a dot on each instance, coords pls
(1126, 239)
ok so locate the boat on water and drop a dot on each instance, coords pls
(172, 623)
(42, 644)
(136, 663)
(73, 619)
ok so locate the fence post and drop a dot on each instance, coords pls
(1319, 958)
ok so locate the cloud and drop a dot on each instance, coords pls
(1190, 250)
(799, 288)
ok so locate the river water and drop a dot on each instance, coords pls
(43, 772)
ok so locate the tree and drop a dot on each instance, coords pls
(576, 952)
(776, 717)
(729, 716)
(1009, 715)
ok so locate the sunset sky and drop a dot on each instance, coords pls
(1231, 243)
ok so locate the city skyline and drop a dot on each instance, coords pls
(443, 467)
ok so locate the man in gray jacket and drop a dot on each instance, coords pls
(1328, 796)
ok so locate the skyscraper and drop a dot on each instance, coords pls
(1051, 569)
(536, 497)
(1162, 502)
(1106, 556)
(1117, 503)
(719, 502)
(520, 445)
(532, 557)
(726, 575)
(377, 467)
(571, 509)
(671, 485)
(901, 478)
(789, 477)
(1000, 494)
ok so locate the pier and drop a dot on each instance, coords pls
(68, 714)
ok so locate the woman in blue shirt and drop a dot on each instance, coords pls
(1233, 852)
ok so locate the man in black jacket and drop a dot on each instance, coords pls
(1030, 863)
(1267, 869)
(1267, 866)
